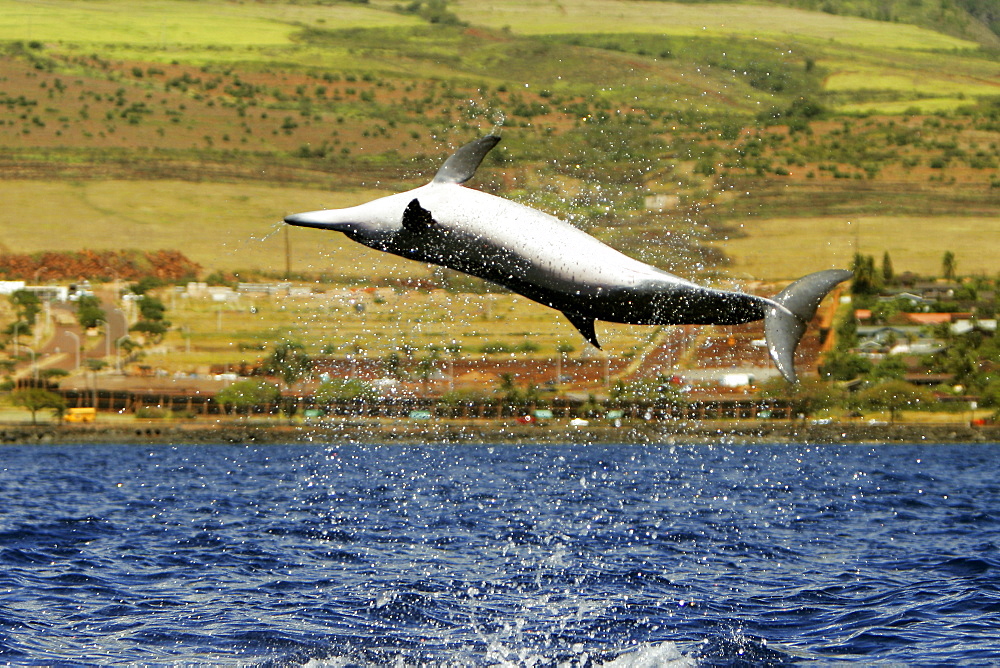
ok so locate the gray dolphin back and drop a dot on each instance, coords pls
(462, 164)
(785, 321)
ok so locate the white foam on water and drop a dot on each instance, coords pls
(648, 655)
(662, 655)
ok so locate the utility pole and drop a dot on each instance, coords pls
(76, 340)
(288, 252)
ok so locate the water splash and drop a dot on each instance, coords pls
(498, 120)
(275, 229)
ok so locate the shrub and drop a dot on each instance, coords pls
(245, 395)
(894, 396)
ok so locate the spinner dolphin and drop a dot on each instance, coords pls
(553, 263)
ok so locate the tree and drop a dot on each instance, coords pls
(948, 265)
(244, 395)
(36, 399)
(508, 389)
(885, 311)
(428, 366)
(344, 389)
(394, 366)
(649, 390)
(865, 278)
(51, 373)
(151, 318)
(95, 364)
(847, 332)
(513, 395)
(990, 396)
(466, 397)
(154, 330)
(960, 359)
(151, 308)
(26, 305)
(805, 397)
(842, 365)
(287, 361)
(146, 283)
(887, 272)
(890, 367)
(894, 396)
(89, 311)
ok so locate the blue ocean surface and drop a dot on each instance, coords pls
(353, 555)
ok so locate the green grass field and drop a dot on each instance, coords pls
(716, 19)
(161, 23)
(171, 23)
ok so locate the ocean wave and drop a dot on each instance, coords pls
(720, 555)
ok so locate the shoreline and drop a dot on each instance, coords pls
(493, 432)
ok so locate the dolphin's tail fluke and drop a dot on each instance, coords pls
(786, 318)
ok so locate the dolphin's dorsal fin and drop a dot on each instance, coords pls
(462, 164)
(416, 218)
(585, 324)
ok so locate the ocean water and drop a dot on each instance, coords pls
(624, 556)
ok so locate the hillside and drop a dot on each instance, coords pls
(197, 126)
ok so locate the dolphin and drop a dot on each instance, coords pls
(553, 263)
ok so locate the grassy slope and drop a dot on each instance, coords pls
(167, 23)
(412, 320)
(696, 19)
(912, 242)
(219, 226)
(400, 94)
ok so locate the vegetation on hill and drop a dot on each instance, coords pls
(600, 108)
(105, 265)
(733, 115)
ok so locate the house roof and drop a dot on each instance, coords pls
(874, 330)
(929, 318)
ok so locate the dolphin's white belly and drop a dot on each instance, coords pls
(533, 246)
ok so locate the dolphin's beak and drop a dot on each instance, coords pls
(328, 219)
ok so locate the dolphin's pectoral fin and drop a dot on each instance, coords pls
(585, 325)
(416, 218)
(462, 164)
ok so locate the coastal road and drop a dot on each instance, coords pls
(59, 351)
